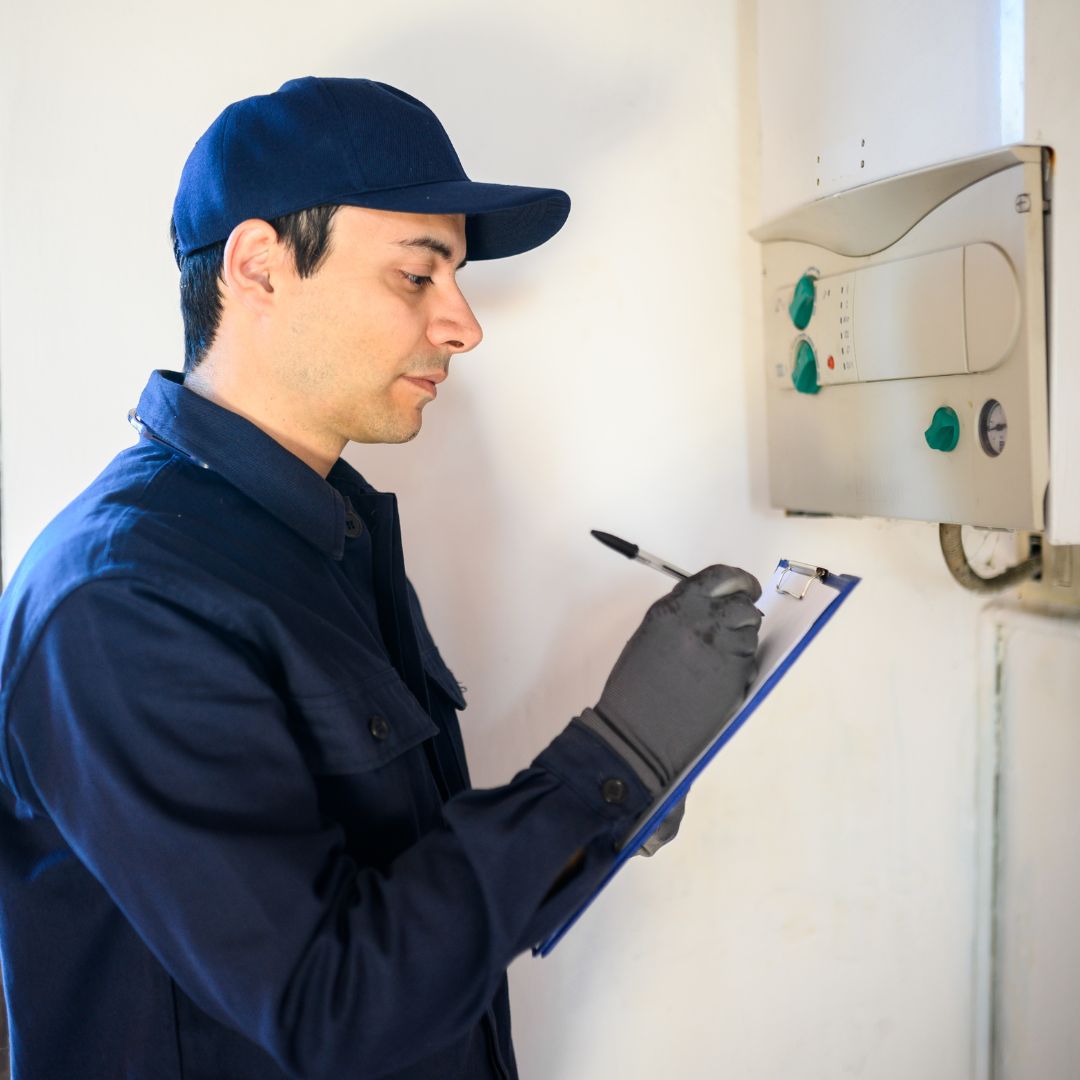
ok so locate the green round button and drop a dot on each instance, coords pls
(802, 303)
(804, 374)
(944, 431)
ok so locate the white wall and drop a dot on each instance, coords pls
(815, 919)
(864, 91)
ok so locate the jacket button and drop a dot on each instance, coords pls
(379, 726)
(613, 790)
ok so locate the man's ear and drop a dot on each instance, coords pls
(253, 257)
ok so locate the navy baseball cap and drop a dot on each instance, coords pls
(354, 142)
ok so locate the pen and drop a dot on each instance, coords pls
(632, 551)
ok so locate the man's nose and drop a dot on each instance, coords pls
(455, 327)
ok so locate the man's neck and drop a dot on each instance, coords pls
(207, 381)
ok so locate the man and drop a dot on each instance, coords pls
(237, 835)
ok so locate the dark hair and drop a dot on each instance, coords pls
(306, 233)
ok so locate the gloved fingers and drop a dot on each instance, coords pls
(705, 592)
(742, 641)
(751, 672)
(719, 580)
(666, 831)
(735, 611)
(674, 816)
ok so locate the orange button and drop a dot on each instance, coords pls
(831, 362)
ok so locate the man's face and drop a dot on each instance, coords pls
(362, 342)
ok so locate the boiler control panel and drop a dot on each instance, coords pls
(905, 346)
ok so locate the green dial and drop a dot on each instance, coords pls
(802, 303)
(944, 431)
(804, 375)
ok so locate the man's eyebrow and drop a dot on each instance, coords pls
(432, 244)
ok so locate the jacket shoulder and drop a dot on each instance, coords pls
(107, 529)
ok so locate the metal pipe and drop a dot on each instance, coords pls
(953, 549)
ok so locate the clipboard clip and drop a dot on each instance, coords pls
(803, 572)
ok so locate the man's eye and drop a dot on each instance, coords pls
(416, 279)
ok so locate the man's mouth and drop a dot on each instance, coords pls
(426, 382)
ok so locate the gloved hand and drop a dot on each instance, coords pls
(681, 675)
(666, 831)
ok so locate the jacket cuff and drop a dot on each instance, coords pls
(599, 724)
(599, 776)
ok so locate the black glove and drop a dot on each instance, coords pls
(682, 674)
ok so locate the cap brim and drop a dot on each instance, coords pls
(500, 219)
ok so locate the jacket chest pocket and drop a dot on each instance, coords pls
(363, 728)
(365, 749)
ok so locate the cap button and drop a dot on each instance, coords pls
(613, 790)
(379, 726)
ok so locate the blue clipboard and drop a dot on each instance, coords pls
(798, 600)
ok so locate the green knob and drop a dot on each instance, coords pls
(944, 431)
(802, 303)
(804, 376)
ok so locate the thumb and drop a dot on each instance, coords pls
(719, 580)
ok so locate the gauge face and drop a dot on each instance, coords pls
(992, 428)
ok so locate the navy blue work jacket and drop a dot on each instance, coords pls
(237, 835)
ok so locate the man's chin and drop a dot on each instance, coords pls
(392, 436)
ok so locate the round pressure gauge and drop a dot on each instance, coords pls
(992, 428)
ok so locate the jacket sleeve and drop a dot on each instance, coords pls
(157, 744)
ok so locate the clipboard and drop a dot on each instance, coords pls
(797, 601)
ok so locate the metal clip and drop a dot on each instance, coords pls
(804, 570)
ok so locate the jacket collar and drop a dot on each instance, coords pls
(243, 454)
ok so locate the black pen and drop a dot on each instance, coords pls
(632, 551)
